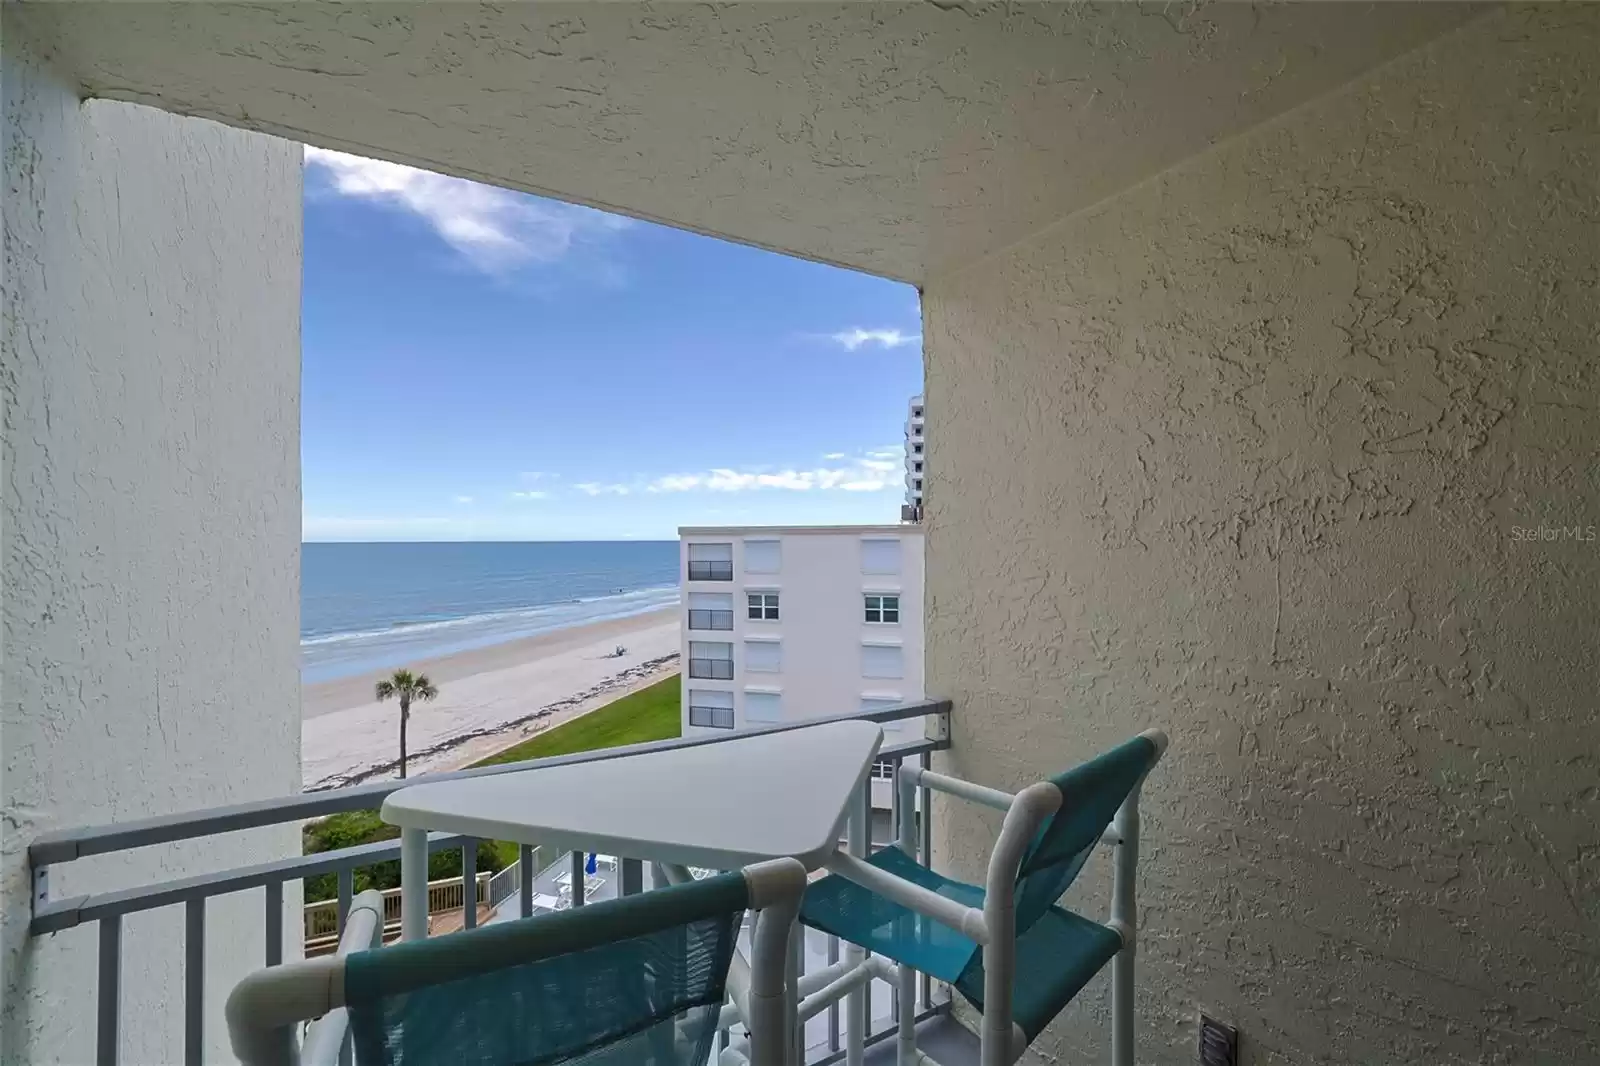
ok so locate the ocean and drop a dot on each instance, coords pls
(369, 606)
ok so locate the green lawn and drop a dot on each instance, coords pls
(652, 713)
(649, 714)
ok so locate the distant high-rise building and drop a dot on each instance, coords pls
(916, 460)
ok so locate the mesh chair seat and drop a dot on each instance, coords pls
(1057, 952)
(1056, 956)
(632, 981)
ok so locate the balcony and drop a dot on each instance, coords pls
(710, 570)
(711, 717)
(710, 619)
(539, 881)
(711, 669)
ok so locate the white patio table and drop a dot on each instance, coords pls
(723, 805)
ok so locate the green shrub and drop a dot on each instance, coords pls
(365, 827)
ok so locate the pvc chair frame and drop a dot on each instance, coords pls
(993, 927)
(266, 1009)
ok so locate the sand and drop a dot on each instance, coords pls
(489, 699)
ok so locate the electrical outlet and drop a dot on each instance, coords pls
(1219, 1043)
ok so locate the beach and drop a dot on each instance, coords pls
(489, 698)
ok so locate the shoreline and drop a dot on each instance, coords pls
(342, 693)
(489, 699)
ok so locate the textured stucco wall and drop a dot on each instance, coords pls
(151, 530)
(1245, 452)
(894, 137)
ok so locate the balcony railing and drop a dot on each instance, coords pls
(711, 669)
(711, 717)
(710, 571)
(106, 910)
(699, 619)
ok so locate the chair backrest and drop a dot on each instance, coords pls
(634, 980)
(1090, 796)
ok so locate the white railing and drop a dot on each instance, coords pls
(322, 917)
(106, 910)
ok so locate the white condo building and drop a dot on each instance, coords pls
(786, 623)
(782, 623)
(916, 458)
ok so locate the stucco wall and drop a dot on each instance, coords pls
(151, 531)
(1246, 452)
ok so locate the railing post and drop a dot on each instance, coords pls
(347, 891)
(579, 880)
(194, 981)
(274, 923)
(925, 854)
(630, 877)
(109, 1003)
(525, 875)
(469, 885)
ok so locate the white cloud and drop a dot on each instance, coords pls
(595, 488)
(494, 229)
(852, 339)
(530, 494)
(463, 499)
(858, 475)
(834, 455)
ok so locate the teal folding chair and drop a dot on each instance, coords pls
(640, 980)
(1008, 948)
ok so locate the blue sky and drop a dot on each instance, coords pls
(484, 365)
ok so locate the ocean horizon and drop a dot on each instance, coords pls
(369, 606)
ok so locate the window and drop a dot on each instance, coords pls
(763, 556)
(882, 660)
(917, 466)
(711, 717)
(880, 556)
(916, 449)
(916, 412)
(883, 609)
(919, 484)
(710, 610)
(883, 769)
(711, 562)
(763, 606)
(711, 660)
(711, 709)
(763, 657)
(763, 707)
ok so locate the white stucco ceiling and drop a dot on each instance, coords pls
(900, 139)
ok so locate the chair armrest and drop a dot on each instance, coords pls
(982, 795)
(968, 921)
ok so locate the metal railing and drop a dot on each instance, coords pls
(106, 910)
(322, 916)
(711, 717)
(711, 669)
(713, 570)
(703, 619)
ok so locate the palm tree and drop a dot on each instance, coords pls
(405, 686)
